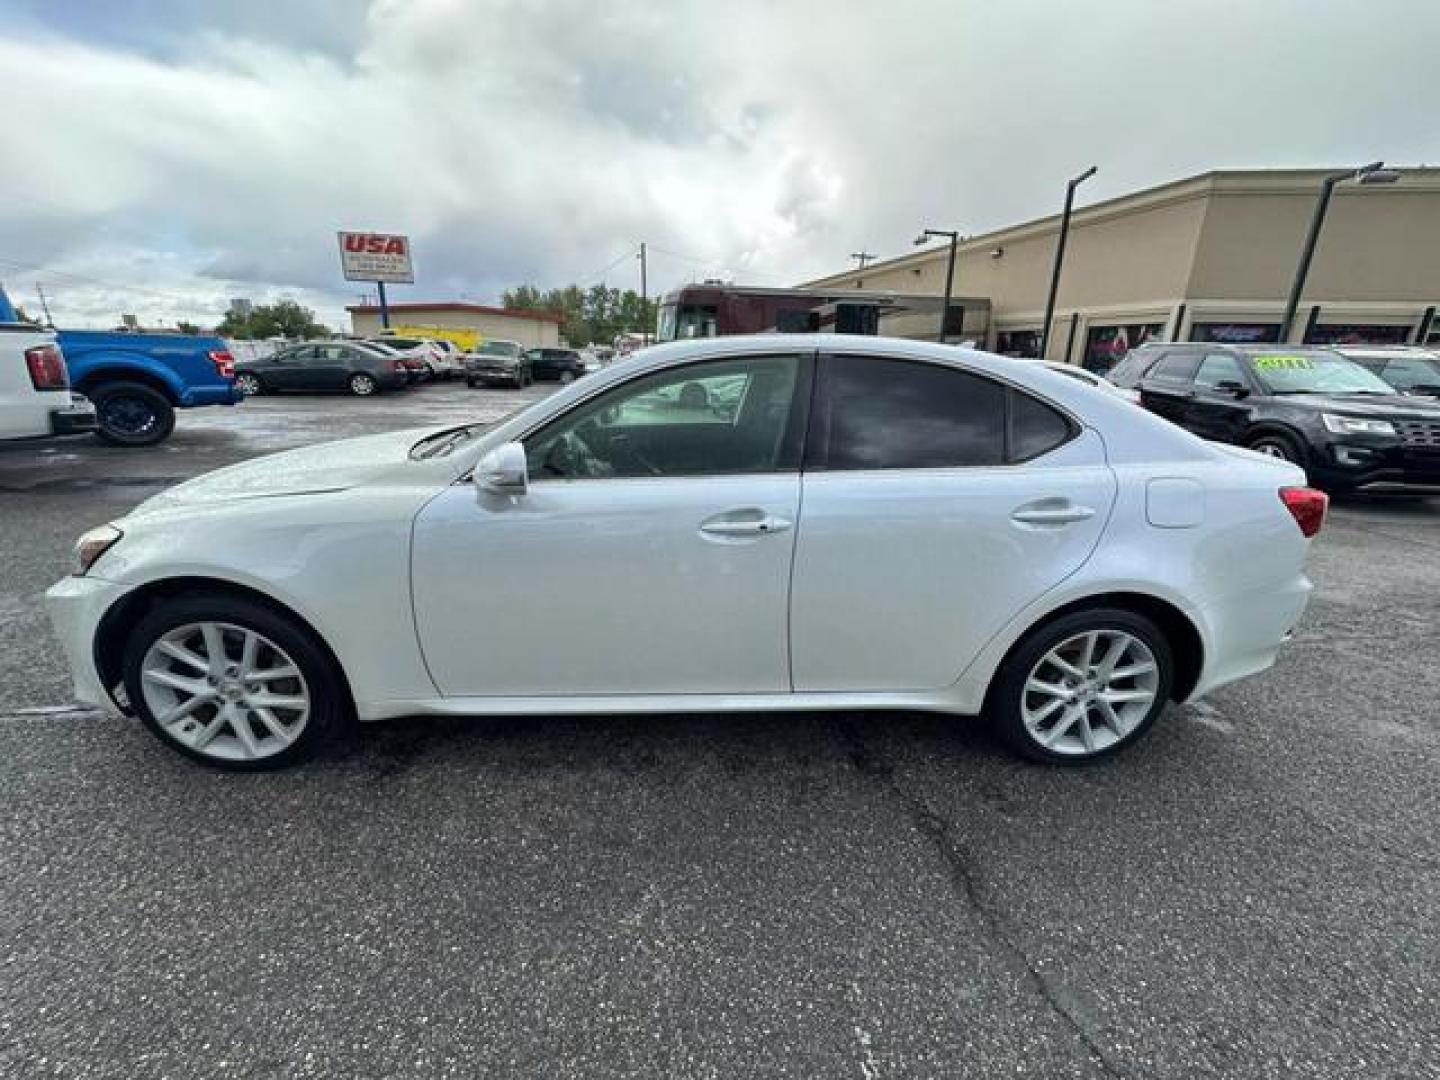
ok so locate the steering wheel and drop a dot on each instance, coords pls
(569, 456)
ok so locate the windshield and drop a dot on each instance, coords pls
(1315, 373)
(499, 348)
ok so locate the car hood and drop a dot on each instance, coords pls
(1386, 406)
(309, 470)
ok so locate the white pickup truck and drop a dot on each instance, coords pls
(35, 396)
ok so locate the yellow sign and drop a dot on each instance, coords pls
(465, 340)
(1275, 362)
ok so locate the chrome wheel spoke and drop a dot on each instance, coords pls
(1093, 690)
(205, 686)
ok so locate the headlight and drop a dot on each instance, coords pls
(1355, 425)
(92, 545)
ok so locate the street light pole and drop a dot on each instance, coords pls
(1374, 173)
(644, 298)
(1060, 256)
(954, 236)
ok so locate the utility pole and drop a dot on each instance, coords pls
(1060, 257)
(45, 306)
(644, 298)
(954, 235)
(862, 258)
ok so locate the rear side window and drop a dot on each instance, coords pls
(1174, 367)
(898, 414)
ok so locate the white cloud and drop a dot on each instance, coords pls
(198, 157)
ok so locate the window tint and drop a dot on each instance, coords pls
(898, 414)
(1408, 372)
(1174, 367)
(1035, 428)
(1217, 368)
(723, 416)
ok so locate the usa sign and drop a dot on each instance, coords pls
(376, 257)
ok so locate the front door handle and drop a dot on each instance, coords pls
(744, 523)
(1048, 512)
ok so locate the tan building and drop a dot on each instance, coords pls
(1211, 258)
(533, 329)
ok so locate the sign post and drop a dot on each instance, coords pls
(377, 257)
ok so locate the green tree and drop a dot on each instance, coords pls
(596, 314)
(187, 327)
(284, 318)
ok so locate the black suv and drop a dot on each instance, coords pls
(562, 364)
(1349, 429)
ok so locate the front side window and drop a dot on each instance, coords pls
(720, 416)
(883, 413)
(1219, 368)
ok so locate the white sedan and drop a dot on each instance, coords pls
(735, 524)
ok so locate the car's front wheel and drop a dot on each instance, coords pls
(1276, 445)
(1082, 687)
(362, 385)
(132, 414)
(233, 683)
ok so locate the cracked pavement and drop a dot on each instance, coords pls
(1252, 891)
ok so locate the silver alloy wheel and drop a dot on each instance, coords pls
(362, 385)
(1270, 449)
(247, 384)
(225, 691)
(1089, 692)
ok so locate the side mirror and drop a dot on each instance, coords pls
(1234, 389)
(502, 471)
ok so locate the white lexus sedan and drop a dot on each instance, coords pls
(735, 524)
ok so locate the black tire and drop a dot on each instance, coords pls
(131, 414)
(363, 385)
(331, 716)
(471, 383)
(567, 377)
(1278, 444)
(1005, 705)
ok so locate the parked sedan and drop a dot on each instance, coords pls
(323, 365)
(563, 365)
(761, 524)
(1349, 429)
(497, 361)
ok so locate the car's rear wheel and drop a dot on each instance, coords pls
(132, 414)
(1277, 445)
(567, 376)
(233, 683)
(471, 383)
(1082, 687)
(249, 384)
(362, 385)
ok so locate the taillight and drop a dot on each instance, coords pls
(47, 368)
(1307, 506)
(224, 364)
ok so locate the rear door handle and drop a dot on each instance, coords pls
(754, 523)
(1067, 514)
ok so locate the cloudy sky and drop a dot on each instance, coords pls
(165, 155)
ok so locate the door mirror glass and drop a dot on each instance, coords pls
(502, 471)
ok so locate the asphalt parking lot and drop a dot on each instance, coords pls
(1252, 891)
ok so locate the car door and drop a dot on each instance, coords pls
(1220, 407)
(331, 366)
(936, 504)
(650, 553)
(1167, 388)
(283, 369)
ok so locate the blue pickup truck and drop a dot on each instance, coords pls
(138, 380)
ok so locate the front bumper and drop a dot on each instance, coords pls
(76, 418)
(76, 605)
(492, 373)
(1355, 465)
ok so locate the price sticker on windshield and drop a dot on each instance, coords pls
(1287, 363)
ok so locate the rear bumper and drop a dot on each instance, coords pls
(1244, 634)
(75, 418)
(196, 397)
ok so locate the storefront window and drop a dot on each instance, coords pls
(1018, 343)
(1236, 333)
(1357, 334)
(1106, 345)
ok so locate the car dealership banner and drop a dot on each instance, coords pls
(376, 257)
